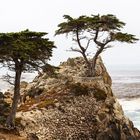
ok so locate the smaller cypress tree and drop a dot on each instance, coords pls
(20, 52)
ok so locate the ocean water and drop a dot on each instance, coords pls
(132, 110)
(126, 86)
(28, 77)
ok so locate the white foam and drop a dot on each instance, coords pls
(130, 105)
(132, 110)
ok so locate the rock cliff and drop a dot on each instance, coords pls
(68, 105)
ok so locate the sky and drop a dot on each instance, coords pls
(45, 15)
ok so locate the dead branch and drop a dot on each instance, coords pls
(8, 78)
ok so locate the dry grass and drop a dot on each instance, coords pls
(49, 102)
(26, 107)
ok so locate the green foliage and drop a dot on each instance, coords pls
(104, 23)
(4, 110)
(93, 24)
(30, 48)
(124, 37)
(72, 25)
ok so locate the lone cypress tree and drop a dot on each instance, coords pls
(23, 52)
(97, 31)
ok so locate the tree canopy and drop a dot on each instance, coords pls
(96, 30)
(31, 49)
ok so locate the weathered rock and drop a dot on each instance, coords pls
(23, 84)
(75, 107)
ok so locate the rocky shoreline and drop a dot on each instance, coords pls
(69, 105)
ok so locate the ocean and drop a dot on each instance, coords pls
(126, 86)
(28, 77)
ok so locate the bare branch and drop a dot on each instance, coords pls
(84, 37)
(89, 54)
(8, 78)
(79, 43)
(101, 34)
(108, 41)
(83, 50)
(95, 39)
(88, 43)
(98, 47)
(34, 65)
(109, 46)
(75, 50)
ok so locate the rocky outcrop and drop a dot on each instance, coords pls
(69, 105)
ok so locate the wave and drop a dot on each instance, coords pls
(131, 109)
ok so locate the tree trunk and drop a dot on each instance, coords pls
(92, 66)
(83, 51)
(11, 118)
(93, 63)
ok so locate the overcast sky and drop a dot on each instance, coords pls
(45, 15)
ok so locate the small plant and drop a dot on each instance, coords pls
(32, 93)
(4, 110)
(71, 62)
